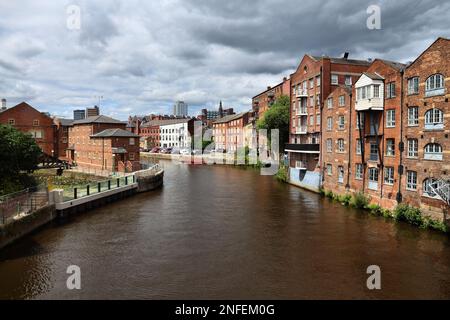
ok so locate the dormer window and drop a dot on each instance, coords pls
(434, 85)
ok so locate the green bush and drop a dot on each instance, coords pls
(404, 212)
(360, 200)
(282, 174)
(375, 209)
(329, 194)
(345, 199)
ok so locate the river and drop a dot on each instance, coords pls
(217, 232)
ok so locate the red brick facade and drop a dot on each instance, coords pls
(229, 131)
(262, 102)
(27, 119)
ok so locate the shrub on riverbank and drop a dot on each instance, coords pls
(282, 174)
(402, 212)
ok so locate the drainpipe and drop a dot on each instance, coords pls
(401, 144)
(347, 186)
(322, 169)
(362, 142)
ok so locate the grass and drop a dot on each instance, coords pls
(402, 212)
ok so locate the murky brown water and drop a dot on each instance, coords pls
(220, 232)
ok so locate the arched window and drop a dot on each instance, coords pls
(429, 185)
(434, 119)
(433, 151)
(434, 85)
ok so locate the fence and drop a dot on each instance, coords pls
(15, 205)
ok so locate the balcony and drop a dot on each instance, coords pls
(301, 93)
(301, 130)
(369, 104)
(301, 112)
(303, 148)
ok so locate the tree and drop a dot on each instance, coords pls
(20, 153)
(277, 117)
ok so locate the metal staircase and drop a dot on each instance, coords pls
(441, 187)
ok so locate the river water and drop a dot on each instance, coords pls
(216, 232)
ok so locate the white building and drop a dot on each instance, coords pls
(180, 109)
(176, 133)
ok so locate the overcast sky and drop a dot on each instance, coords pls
(141, 56)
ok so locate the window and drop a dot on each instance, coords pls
(373, 151)
(434, 85)
(131, 156)
(330, 103)
(358, 146)
(373, 178)
(429, 185)
(318, 119)
(311, 101)
(413, 85)
(341, 101)
(311, 120)
(64, 140)
(390, 90)
(411, 180)
(329, 169)
(359, 171)
(413, 148)
(376, 90)
(433, 151)
(340, 174)
(334, 79)
(389, 175)
(11, 122)
(329, 145)
(37, 134)
(390, 147)
(311, 83)
(329, 123)
(390, 118)
(132, 141)
(341, 122)
(318, 99)
(341, 147)
(360, 118)
(434, 119)
(35, 123)
(413, 116)
(318, 81)
(348, 80)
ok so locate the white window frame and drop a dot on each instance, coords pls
(389, 176)
(358, 171)
(413, 148)
(413, 116)
(341, 122)
(433, 151)
(434, 85)
(413, 85)
(411, 180)
(434, 119)
(341, 145)
(334, 79)
(390, 118)
(390, 147)
(330, 123)
(329, 145)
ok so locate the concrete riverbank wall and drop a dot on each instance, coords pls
(145, 180)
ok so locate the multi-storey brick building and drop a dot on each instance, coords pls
(229, 133)
(314, 79)
(426, 128)
(62, 136)
(262, 102)
(102, 143)
(27, 119)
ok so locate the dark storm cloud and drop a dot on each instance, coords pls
(142, 55)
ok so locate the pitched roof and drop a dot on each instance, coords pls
(116, 132)
(164, 122)
(231, 117)
(373, 76)
(98, 119)
(65, 122)
(394, 64)
(342, 60)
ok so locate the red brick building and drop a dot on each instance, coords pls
(426, 128)
(262, 102)
(62, 136)
(102, 143)
(40, 125)
(228, 132)
(312, 82)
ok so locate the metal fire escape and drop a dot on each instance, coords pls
(441, 187)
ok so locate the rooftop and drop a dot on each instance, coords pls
(98, 119)
(117, 132)
(230, 117)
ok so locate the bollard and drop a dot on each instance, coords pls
(109, 184)
(87, 190)
(134, 178)
(75, 193)
(99, 187)
(126, 180)
(118, 182)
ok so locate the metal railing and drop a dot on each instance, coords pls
(19, 204)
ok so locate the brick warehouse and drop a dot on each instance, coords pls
(262, 102)
(40, 125)
(426, 127)
(102, 143)
(314, 79)
(400, 113)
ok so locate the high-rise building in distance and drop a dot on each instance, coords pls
(180, 108)
(79, 114)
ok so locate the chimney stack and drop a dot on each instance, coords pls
(346, 55)
(3, 104)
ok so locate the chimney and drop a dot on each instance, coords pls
(369, 59)
(269, 87)
(3, 104)
(346, 55)
(284, 79)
